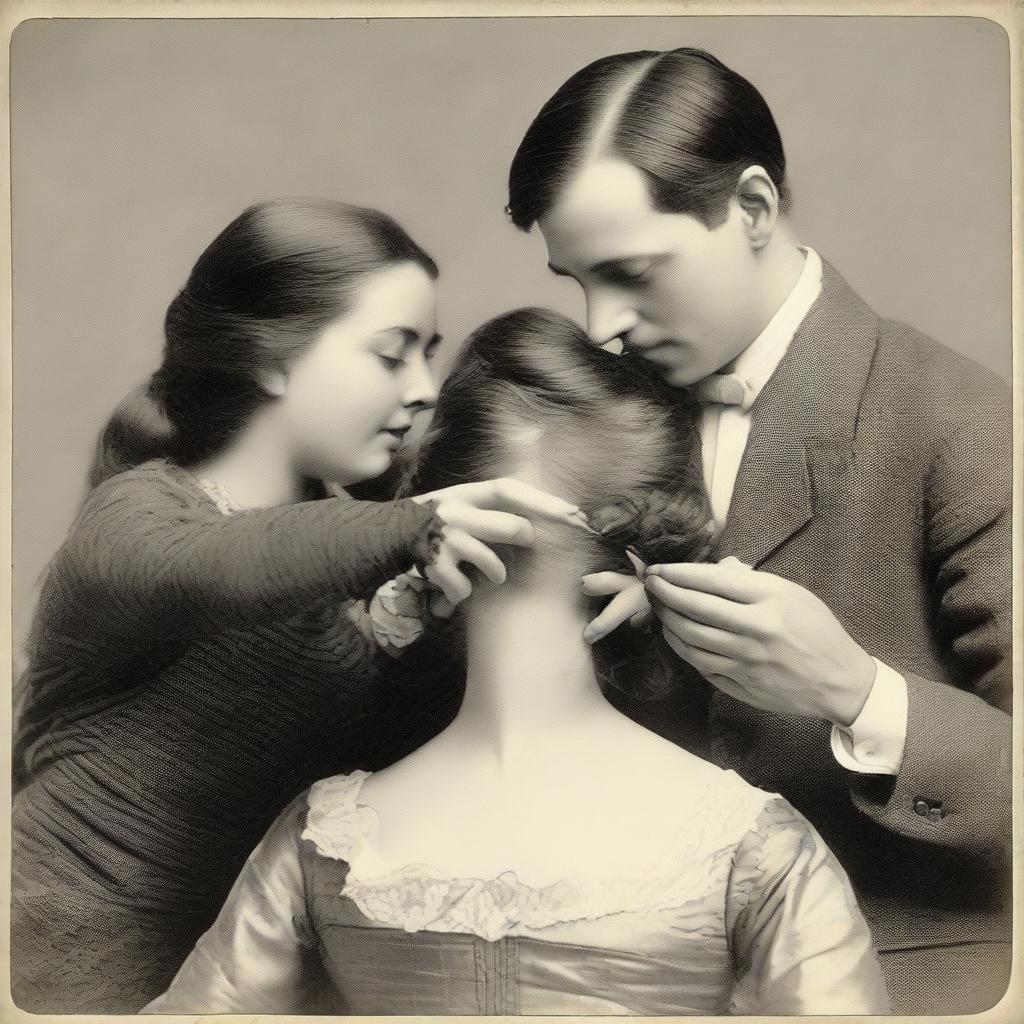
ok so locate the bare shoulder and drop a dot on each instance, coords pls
(656, 765)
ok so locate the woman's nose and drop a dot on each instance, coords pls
(608, 318)
(421, 389)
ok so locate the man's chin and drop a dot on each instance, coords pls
(678, 376)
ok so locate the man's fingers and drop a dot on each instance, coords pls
(618, 610)
(732, 580)
(641, 617)
(697, 634)
(703, 607)
(601, 584)
(706, 663)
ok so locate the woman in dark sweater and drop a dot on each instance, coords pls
(195, 662)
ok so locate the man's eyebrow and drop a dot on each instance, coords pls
(634, 257)
(611, 262)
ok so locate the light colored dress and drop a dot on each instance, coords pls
(746, 911)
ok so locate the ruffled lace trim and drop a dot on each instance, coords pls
(218, 494)
(419, 898)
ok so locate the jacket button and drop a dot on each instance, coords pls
(930, 809)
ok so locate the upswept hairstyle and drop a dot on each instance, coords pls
(530, 391)
(681, 117)
(255, 299)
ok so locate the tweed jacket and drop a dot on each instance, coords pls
(877, 475)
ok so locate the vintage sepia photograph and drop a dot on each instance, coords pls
(511, 515)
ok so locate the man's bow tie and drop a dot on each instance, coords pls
(721, 389)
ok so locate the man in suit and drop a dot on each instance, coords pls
(857, 639)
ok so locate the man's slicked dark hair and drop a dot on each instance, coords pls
(688, 123)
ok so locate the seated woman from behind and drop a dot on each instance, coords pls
(544, 854)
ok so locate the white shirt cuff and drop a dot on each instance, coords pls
(874, 743)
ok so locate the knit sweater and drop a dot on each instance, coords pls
(189, 674)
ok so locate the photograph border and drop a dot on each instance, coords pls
(1008, 14)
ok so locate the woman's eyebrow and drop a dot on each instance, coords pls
(409, 335)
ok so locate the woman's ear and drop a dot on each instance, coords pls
(759, 200)
(273, 381)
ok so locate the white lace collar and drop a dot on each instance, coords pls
(419, 898)
(218, 494)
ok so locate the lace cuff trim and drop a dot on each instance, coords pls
(427, 545)
(398, 611)
(419, 898)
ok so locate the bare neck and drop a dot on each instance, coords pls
(780, 264)
(254, 469)
(530, 676)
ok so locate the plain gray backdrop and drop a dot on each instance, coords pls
(135, 142)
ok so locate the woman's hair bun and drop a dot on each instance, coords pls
(138, 431)
(659, 525)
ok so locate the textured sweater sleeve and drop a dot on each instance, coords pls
(162, 563)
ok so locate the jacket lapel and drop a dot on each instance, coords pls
(803, 424)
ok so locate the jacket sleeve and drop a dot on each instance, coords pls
(953, 786)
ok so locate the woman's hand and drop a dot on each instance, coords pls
(478, 515)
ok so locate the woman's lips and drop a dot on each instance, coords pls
(398, 434)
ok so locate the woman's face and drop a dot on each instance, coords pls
(349, 399)
(677, 293)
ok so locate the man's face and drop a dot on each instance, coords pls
(677, 293)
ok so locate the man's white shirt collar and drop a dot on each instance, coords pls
(759, 360)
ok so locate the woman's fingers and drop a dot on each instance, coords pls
(459, 548)
(524, 499)
(440, 606)
(489, 526)
(624, 606)
(508, 495)
(445, 574)
(465, 548)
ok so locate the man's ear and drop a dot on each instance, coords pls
(273, 382)
(759, 200)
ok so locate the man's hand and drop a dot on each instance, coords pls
(762, 639)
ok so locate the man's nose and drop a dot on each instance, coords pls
(608, 318)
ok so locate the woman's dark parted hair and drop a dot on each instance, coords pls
(681, 117)
(255, 299)
(529, 391)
